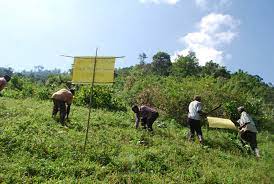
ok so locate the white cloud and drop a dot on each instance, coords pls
(214, 5)
(171, 2)
(215, 32)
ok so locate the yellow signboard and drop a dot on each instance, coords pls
(220, 123)
(83, 69)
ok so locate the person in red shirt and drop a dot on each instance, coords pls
(62, 101)
(146, 114)
(3, 81)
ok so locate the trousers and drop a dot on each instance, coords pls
(250, 137)
(149, 121)
(195, 126)
(59, 105)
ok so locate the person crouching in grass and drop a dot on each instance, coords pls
(146, 114)
(62, 101)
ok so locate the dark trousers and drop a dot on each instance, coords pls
(195, 126)
(250, 137)
(148, 122)
(59, 106)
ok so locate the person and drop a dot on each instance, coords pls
(3, 81)
(146, 114)
(194, 119)
(60, 99)
(248, 130)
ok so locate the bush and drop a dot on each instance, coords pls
(43, 93)
(172, 96)
(103, 97)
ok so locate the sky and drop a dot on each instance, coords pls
(238, 34)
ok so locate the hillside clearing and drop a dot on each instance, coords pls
(35, 148)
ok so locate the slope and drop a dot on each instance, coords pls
(35, 148)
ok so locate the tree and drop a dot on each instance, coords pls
(186, 66)
(142, 57)
(38, 68)
(6, 71)
(215, 70)
(161, 64)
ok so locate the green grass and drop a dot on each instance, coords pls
(36, 149)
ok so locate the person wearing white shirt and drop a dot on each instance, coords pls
(194, 118)
(248, 130)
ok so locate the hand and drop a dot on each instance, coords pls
(203, 114)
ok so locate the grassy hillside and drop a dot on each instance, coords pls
(34, 148)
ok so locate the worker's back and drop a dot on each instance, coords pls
(63, 95)
(3, 83)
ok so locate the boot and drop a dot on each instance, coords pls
(257, 153)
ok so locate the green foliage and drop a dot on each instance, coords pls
(40, 74)
(186, 66)
(142, 58)
(215, 70)
(103, 97)
(36, 149)
(54, 81)
(169, 94)
(16, 82)
(43, 93)
(23, 87)
(6, 71)
(172, 96)
(161, 64)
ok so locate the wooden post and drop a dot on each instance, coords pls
(92, 91)
(90, 100)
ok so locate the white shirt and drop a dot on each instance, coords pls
(193, 109)
(245, 118)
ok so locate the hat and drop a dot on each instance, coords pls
(197, 97)
(241, 108)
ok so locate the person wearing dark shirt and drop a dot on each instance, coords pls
(146, 115)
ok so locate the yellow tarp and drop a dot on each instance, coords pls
(83, 68)
(214, 122)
